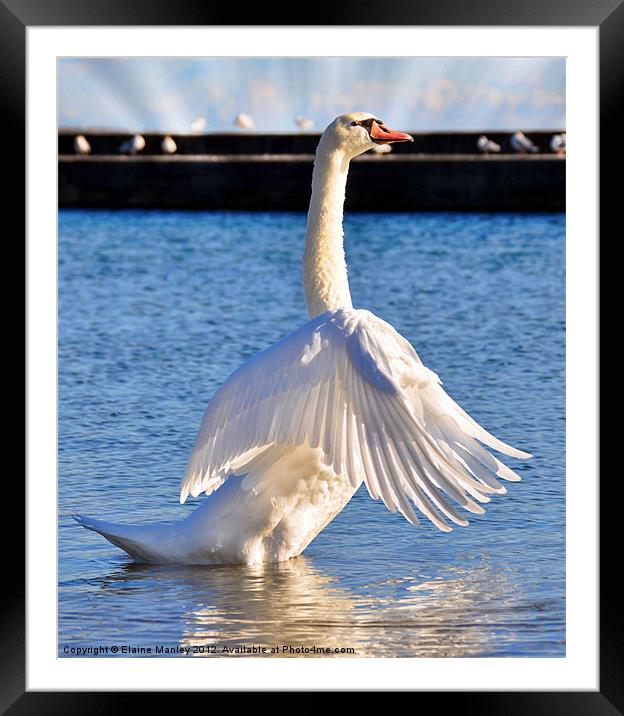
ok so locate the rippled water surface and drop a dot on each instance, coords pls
(157, 309)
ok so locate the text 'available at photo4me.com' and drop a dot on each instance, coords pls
(205, 649)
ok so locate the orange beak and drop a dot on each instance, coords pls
(383, 135)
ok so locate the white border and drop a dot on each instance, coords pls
(579, 669)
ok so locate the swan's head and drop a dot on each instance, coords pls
(358, 132)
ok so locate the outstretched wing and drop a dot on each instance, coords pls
(346, 382)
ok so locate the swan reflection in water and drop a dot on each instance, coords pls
(293, 603)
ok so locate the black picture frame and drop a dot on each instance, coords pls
(17, 15)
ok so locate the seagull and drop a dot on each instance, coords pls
(304, 123)
(81, 145)
(168, 146)
(243, 121)
(522, 144)
(134, 145)
(487, 146)
(558, 143)
(381, 149)
(199, 124)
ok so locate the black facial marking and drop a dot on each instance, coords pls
(367, 123)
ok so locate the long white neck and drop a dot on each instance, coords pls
(324, 268)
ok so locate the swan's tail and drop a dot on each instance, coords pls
(142, 543)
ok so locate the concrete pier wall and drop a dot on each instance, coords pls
(253, 179)
(226, 143)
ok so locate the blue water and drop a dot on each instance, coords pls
(156, 309)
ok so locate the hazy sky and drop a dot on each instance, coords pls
(168, 94)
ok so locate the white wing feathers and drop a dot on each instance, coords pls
(348, 383)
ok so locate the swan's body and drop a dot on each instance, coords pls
(487, 146)
(269, 515)
(134, 145)
(522, 144)
(168, 145)
(291, 435)
(81, 144)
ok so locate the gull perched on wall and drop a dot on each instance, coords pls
(522, 144)
(134, 145)
(487, 146)
(81, 145)
(243, 121)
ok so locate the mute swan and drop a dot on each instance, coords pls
(522, 144)
(290, 436)
(487, 146)
(243, 121)
(168, 146)
(81, 144)
(134, 145)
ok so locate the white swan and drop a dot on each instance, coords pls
(134, 145)
(290, 436)
(168, 145)
(81, 144)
